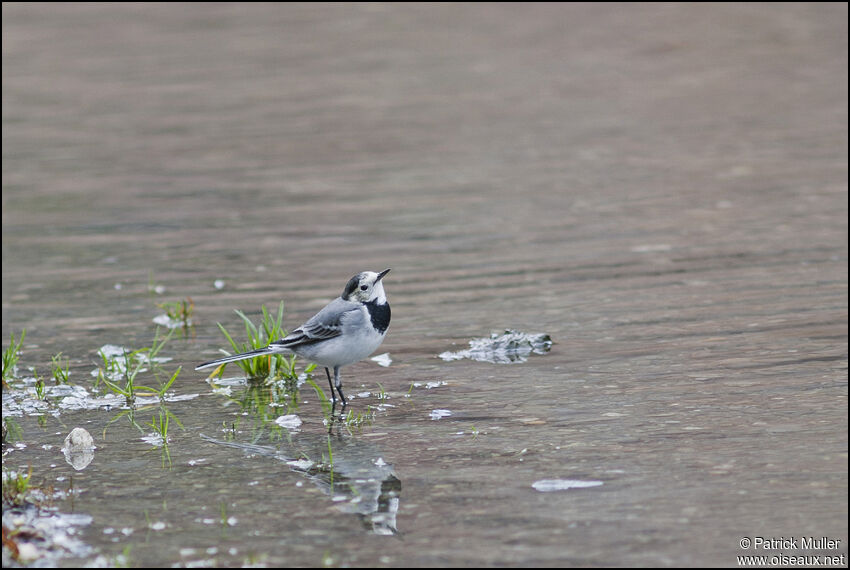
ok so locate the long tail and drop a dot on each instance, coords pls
(235, 357)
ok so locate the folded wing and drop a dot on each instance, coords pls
(325, 324)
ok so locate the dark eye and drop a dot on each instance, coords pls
(364, 287)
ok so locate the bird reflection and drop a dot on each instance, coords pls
(357, 479)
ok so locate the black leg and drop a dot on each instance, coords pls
(338, 383)
(333, 395)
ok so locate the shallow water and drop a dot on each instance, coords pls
(662, 190)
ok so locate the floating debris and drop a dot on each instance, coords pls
(506, 348)
(304, 465)
(25, 402)
(440, 414)
(43, 538)
(155, 439)
(383, 359)
(429, 385)
(290, 421)
(119, 361)
(171, 322)
(651, 247)
(549, 485)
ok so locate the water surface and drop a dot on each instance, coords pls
(662, 190)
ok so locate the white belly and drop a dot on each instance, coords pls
(341, 350)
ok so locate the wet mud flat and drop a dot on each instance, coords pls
(661, 190)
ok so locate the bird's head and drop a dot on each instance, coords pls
(366, 286)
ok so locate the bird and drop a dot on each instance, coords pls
(345, 331)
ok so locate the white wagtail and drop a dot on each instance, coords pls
(348, 329)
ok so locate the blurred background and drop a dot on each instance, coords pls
(661, 188)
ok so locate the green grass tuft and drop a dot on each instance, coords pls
(15, 487)
(119, 372)
(60, 372)
(271, 366)
(11, 355)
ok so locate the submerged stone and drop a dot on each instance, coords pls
(79, 440)
(79, 448)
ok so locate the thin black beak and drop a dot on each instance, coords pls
(381, 274)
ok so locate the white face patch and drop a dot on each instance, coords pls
(370, 287)
(365, 287)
